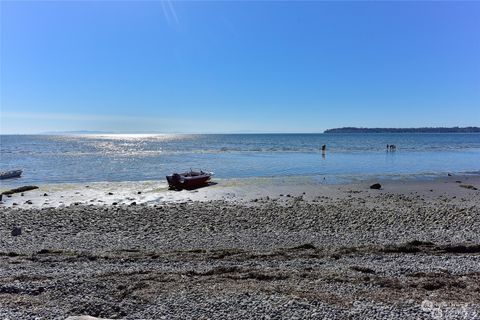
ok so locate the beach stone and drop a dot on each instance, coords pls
(110, 193)
(16, 231)
(45, 195)
(376, 186)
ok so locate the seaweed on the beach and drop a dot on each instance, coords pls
(222, 253)
(403, 248)
(462, 249)
(434, 285)
(305, 246)
(417, 243)
(393, 283)
(196, 251)
(468, 186)
(260, 276)
(49, 251)
(362, 269)
(413, 246)
(10, 254)
(215, 271)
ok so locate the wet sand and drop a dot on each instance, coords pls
(277, 249)
(236, 190)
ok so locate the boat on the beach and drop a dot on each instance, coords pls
(10, 174)
(189, 180)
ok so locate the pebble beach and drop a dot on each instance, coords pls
(244, 250)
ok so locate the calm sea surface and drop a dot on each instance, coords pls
(88, 158)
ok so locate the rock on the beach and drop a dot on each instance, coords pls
(376, 186)
(16, 231)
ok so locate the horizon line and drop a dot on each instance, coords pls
(95, 132)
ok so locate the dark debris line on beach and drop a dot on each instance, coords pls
(202, 283)
(19, 190)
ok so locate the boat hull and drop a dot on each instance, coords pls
(10, 174)
(188, 180)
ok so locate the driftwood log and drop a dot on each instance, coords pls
(20, 189)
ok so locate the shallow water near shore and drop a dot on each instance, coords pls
(349, 157)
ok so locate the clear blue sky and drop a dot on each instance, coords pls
(238, 67)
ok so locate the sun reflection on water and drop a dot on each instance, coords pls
(139, 136)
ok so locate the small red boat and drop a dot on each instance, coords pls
(189, 180)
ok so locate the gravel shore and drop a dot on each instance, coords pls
(407, 251)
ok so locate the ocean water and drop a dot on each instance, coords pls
(92, 158)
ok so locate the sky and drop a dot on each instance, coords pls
(224, 67)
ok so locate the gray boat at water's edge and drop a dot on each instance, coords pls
(10, 174)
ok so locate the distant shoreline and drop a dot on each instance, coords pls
(405, 130)
(470, 129)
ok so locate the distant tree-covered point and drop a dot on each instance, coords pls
(404, 130)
